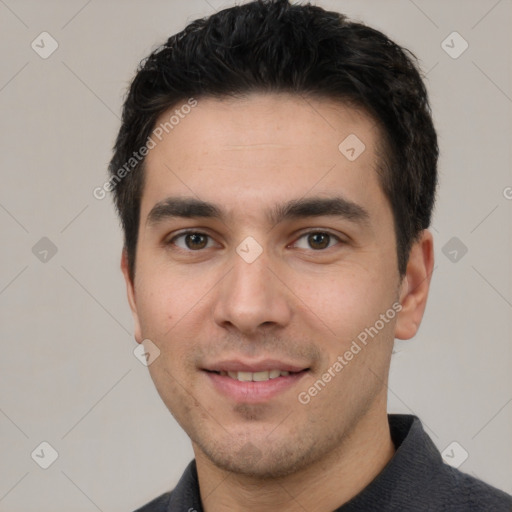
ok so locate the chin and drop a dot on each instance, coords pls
(263, 459)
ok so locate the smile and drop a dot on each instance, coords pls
(254, 376)
(252, 387)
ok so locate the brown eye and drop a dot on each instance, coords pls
(195, 241)
(317, 240)
(192, 241)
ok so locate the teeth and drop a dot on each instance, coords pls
(256, 376)
(260, 376)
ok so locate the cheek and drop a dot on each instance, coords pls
(165, 299)
(344, 301)
(155, 304)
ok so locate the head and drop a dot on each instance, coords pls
(298, 150)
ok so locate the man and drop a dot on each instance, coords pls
(275, 174)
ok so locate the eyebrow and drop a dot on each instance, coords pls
(191, 208)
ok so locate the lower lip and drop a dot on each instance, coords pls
(253, 392)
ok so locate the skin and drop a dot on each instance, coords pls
(294, 303)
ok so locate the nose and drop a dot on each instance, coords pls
(251, 297)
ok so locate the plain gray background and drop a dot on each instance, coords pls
(68, 375)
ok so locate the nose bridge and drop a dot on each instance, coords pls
(251, 295)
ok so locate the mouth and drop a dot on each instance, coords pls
(253, 383)
(262, 376)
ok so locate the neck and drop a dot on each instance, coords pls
(323, 486)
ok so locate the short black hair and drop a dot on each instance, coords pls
(275, 46)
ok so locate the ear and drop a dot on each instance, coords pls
(130, 291)
(415, 286)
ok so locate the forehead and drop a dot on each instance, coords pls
(260, 149)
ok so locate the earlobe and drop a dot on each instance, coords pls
(415, 286)
(130, 291)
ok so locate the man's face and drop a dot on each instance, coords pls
(212, 303)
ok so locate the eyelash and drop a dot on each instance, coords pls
(307, 233)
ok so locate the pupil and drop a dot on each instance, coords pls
(316, 239)
(195, 240)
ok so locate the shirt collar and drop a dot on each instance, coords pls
(415, 460)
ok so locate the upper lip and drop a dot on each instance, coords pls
(238, 365)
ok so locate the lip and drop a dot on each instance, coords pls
(238, 365)
(253, 392)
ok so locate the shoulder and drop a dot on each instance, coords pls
(469, 494)
(159, 504)
(418, 476)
